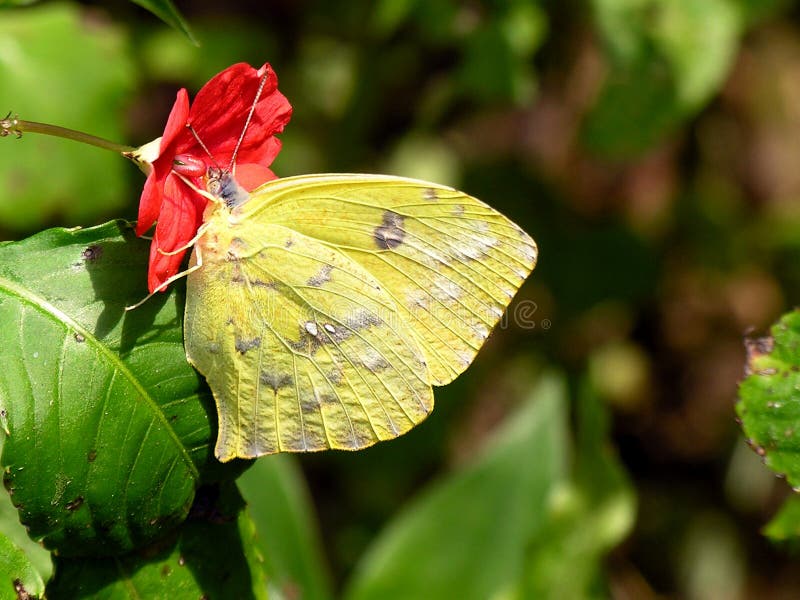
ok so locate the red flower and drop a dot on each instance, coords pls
(217, 116)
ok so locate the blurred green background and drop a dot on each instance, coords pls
(651, 147)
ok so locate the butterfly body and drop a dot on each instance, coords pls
(326, 306)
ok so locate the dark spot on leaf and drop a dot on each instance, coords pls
(173, 418)
(92, 455)
(22, 593)
(92, 253)
(79, 338)
(755, 349)
(166, 571)
(75, 504)
(243, 346)
(390, 234)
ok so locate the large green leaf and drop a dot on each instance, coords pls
(17, 573)
(108, 427)
(56, 69)
(769, 397)
(212, 557)
(278, 501)
(466, 537)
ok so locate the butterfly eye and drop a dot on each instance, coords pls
(188, 165)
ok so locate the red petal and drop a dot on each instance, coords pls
(181, 215)
(220, 110)
(176, 123)
(252, 175)
(153, 191)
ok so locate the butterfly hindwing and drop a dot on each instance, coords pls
(450, 263)
(302, 347)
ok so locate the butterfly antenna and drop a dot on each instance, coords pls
(261, 85)
(202, 145)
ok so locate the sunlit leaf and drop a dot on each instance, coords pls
(108, 426)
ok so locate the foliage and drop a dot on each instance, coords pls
(649, 146)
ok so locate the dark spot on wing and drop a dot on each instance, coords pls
(334, 376)
(243, 346)
(458, 210)
(390, 234)
(276, 380)
(309, 405)
(75, 504)
(92, 253)
(362, 319)
(430, 195)
(323, 277)
(289, 243)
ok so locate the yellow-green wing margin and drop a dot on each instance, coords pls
(450, 262)
(301, 346)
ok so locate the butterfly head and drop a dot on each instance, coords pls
(222, 184)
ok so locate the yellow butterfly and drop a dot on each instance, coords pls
(322, 308)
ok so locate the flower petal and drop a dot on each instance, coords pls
(180, 217)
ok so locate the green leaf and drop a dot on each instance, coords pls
(108, 426)
(587, 518)
(667, 58)
(11, 528)
(465, 538)
(166, 11)
(769, 398)
(17, 573)
(278, 502)
(50, 72)
(785, 526)
(212, 556)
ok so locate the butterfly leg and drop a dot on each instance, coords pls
(200, 232)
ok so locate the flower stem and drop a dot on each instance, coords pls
(13, 125)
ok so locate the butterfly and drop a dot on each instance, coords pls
(321, 309)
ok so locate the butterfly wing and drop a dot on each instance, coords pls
(450, 263)
(302, 347)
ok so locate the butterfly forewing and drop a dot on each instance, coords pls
(302, 347)
(450, 263)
